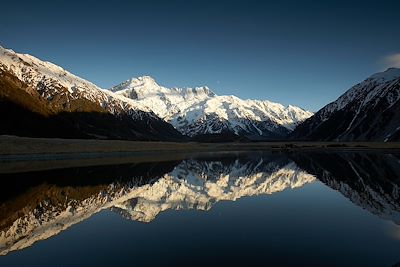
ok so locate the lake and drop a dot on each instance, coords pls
(311, 208)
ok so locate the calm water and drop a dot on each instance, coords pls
(261, 209)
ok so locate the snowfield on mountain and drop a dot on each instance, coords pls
(198, 110)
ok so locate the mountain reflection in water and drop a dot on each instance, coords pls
(36, 206)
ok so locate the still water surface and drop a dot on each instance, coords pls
(250, 209)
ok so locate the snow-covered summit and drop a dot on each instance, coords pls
(199, 110)
(144, 84)
(386, 76)
(365, 91)
(143, 87)
(31, 69)
(368, 111)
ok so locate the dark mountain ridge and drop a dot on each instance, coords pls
(369, 111)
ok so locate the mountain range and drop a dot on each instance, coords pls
(196, 111)
(41, 99)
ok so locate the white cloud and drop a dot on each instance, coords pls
(392, 61)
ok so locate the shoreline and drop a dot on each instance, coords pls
(13, 145)
(24, 154)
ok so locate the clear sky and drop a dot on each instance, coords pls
(304, 53)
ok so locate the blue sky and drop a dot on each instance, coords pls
(293, 52)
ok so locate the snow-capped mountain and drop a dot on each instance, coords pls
(29, 84)
(196, 111)
(192, 184)
(369, 111)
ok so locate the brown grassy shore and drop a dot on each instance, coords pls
(23, 154)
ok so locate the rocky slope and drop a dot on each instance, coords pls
(42, 99)
(369, 111)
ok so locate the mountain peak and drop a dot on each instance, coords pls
(141, 81)
(366, 112)
(387, 75)
(145, 86)
(140, 84)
